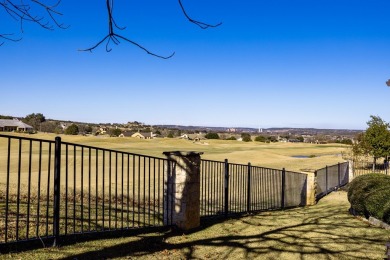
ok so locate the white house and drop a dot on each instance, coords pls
(10, 125)
(148, 135)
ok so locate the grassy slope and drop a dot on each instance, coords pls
(323, 231)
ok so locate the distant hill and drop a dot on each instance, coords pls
(273, 130)
(238, 130)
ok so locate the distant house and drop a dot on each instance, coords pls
(282, 139)
(126, 134)
(184, 136)
(10, 125)
(194, 137)
(103, 130)
(145, 135)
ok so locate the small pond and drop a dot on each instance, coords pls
(301, 156)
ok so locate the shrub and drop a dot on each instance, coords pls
(73, 129)
(212, 136)
(246, 137)
(369, 195)
(232, 138)
(114, 132)
(261, 138)
(386, 212)
(376, 200)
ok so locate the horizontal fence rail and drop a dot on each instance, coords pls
(49, 189)
(331, 178)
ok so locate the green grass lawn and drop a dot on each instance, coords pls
(323, 231)
(272, 155)
(235, 238)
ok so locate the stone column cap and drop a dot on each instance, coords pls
(183, 154)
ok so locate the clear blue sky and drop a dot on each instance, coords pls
(293, 63)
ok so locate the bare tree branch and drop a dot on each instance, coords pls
(114, 37)
(21, 12)
(198, 23)
(51, 11)
(8, 38)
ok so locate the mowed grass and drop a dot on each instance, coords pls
(323, 231)
(135, 178)
(273, 155)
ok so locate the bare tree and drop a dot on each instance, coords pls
(46, 16)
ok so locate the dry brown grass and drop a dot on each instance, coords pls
(274, 155)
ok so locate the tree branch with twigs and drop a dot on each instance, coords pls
(198, 23)
(113, 37)
(21, 11)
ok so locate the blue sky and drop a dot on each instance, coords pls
(295, 63)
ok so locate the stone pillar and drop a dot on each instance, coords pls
(350, 171)
(311, 189)
(182, 190)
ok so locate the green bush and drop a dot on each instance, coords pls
(386, 212)
(246, 137)
(369, 195)
(73, 129)
(261, 138)
(114, 132)
(212, 136)
(376, 200)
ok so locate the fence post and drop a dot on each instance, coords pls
(339, 174)
(226, 187)
(182, 189)
(283, 186)
(326, 179)
(351, 170)
(57, 184)
(248, 208)
(311, 189)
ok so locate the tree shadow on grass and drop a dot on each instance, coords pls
(324, 231)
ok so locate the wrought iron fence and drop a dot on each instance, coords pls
(51, 188)
(363, 166)
(331, 178)
(228, 188)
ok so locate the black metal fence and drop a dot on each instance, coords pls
(50, 189)
(228, 188)
(331, 178)
(363, 166)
